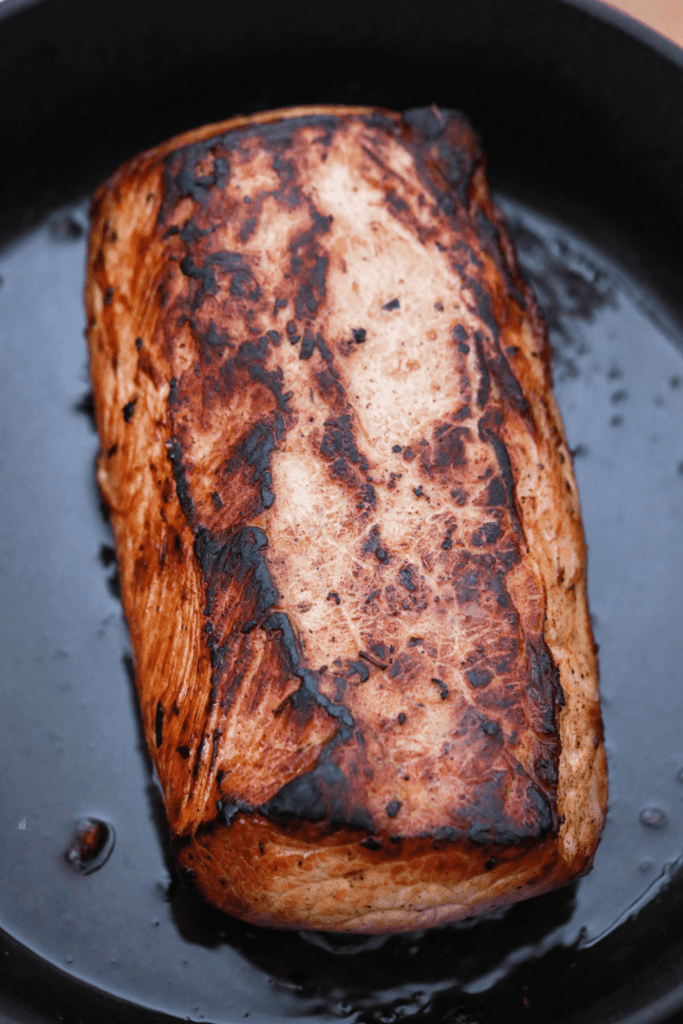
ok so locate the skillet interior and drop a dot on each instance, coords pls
(583, 123)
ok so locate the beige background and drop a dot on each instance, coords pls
(665, 16)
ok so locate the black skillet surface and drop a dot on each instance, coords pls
(582, 114)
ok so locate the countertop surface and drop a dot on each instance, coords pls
(664, 16)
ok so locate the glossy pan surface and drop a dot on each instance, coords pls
(581, 113)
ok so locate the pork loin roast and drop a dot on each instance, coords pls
(347, 525)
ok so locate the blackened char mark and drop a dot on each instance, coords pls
(326, 793)
(496, 364)
(477, 575)
(181, 179)
(489, 236)
(214, 748)
(443, 689)
(367, 498)
(408, 577)
(402, 667)
(210, 340)
(309, 691)
(289, 193)
(486, 428)
(484, 392)
(483, 304)
(159, 725)
(175, 454)
(545, 683)
(426, 122)
(242, 281)
(306, 240)
(250, 358)
(395, 203)
(129, 409)
(239, 556)
(496, 493)
(479, 678)
(277, 138)
(379, 652)
(309, 265)
(339, 444)
(191, 232)
(373, 545)
(492, 825)
(254, 451)
(508, 385)
(309, 345)
(487, 534)
(357, 668)
(491, 729)
(224, 558)
(446, 152)
(248, 228)
(173, 394)
(278, 135)
(204, 275)
(447, 451)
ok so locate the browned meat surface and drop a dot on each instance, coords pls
(347, 524)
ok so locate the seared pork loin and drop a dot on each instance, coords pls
(347, 524)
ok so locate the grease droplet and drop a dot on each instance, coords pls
(91, 845)
(653, 817)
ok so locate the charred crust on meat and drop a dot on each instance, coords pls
(473, 563)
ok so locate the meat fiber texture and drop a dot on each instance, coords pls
(347, 525)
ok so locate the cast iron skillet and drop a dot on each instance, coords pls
(582, 115)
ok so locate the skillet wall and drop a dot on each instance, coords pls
(561, 98)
